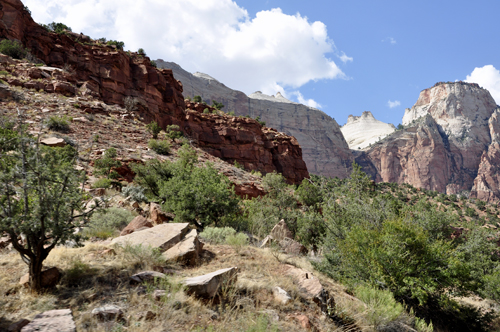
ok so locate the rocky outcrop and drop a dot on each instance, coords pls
(130, 80)
(209, 285)
(362, 131)
(447, 136)
(53, 320)
(324, 148)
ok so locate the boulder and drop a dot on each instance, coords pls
(281, 295)
(157, 215)
(208, 285)
(293, 247)
(136, 224)
(146, 276)
(187, 251)
(108, 312)
(281, 231)
(310, 287)
(163, 236)
(17, 326)
(267, 242)
(50, 278)
(53, 141)
(50, 321)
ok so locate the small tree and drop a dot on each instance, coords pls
(154, 129)
(104, 165)
(217, 105)
(41, 199)
(141, 52)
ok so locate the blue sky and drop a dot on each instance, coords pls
(344, 57)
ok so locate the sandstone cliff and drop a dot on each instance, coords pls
(111, 75)
(448, 144)
(362, 131)
(324, 148)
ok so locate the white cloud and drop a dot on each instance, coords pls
(344, 58)
(269, 52)
(393, 104)
(391, 40)
(302, 100)
(489, 78)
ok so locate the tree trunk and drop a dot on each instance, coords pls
(36, 275)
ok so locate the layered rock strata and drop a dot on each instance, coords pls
(449, 143)
(324, 148)
(76, 65)
(362, 131)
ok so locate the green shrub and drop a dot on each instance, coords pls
(102, 183)
(262, 123)
(108, 223)
(14, 49)
(217, 235)
(173, 132)
(119, 44)
(58, 123)
(382, 308)
(217, 105)
(154, 64)
(4, 72)
(154, 129)
(141, 257)
(197, 99)
(77, 273)
(135, 192)
(159, 146)
(206, 111)
(141, 52)
(56, 27)
(238, 241)
(103, 166)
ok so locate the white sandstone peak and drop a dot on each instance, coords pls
(361, 131)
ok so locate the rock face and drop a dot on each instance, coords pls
(136, 224)
(187, 251)
(163, 236)
(53, 320)
(448, 144)
(361, 131)
(114, 76)
(324, 148)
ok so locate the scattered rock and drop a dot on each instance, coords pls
(267, 242)
(157, 215)
(163, 236)
(310, 287)
(208, 285)
(17, 326)
(281, 231)
(136, 224)
(50, 321)
(108, 312)
(50, 278)
(281, 295)
(293, 247)
(303, 320)
(146, 276)
(187, 251)
(159, 294)
(53, 141)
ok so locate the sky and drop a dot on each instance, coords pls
(343, 57)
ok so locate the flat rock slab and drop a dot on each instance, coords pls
(108, 312)
(163, 236)
(53, 141)
(50, 321)
(146, 276)
(136, 224)
(187, 251)
(310, 287)
(208, 285)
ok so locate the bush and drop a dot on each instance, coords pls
(217, 105)
(154, 64)
(154, 129)
(102, 183)
(141, 52)
(238, 241)
(14, 49)
(206, 111)
(108, 223)
(56, 27)
(119, 44)
(58, 123)
(382, 308)
(103, 166)
(217, 235)
(135, 192)
(197, 99)
(159, 146)
(141, 257)
(173, 132)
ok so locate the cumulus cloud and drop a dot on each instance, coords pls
(302, 100)
(270, 52)
(393, 104)
(344, 58)
(489, 78)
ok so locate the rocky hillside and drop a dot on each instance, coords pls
(113, 76)
(449, 143)
(324, 148)
(362, 131)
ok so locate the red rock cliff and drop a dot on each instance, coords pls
(111, 75)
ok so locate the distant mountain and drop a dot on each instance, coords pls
(324, 148)
(362, 131)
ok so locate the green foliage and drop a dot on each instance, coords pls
(153, 63)
(153, 128)
(108, 223)
(119, 44)
(206, 111)
(309, 193)
(102, 183)
(238, 165)
(58, 123)
(12, 48)
(135, 192)
(237, 240)
(382, 308)
(41, 198)
(217, 105)
(77, 272)
(141, 257)
(400, 127)
(197, 99)
(262, 123)
(174, 132)
(141, 52)
(56, 27)
(217, 235)
(104, 165)
(159, 146)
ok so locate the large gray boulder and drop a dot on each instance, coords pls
(187, 251)
(210, 284)
(50, 321)
(163, 236)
